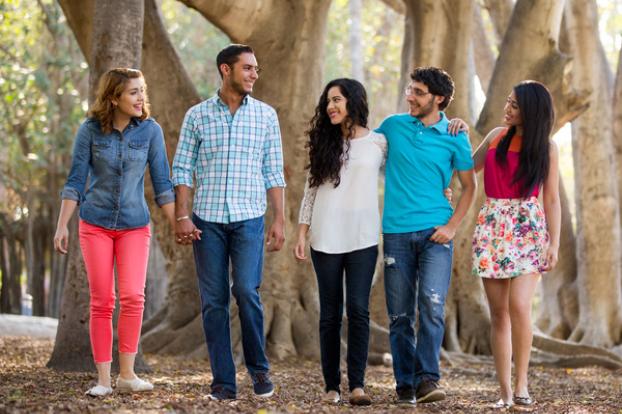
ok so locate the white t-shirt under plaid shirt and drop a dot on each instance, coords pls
(236, 158)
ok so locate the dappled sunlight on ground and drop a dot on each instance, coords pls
(181, 384)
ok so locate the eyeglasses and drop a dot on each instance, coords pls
(410, 90)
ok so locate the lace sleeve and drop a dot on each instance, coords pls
(381, 141)
(306, 206)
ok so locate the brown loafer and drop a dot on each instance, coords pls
(360, 399)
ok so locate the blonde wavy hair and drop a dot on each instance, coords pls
(111, 87)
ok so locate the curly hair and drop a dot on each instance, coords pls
(327, 151)
(111, 86)
(438, 81)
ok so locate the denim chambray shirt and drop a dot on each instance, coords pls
(116, 164)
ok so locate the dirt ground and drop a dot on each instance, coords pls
(26, 386)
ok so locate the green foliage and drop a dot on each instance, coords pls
(40, 101)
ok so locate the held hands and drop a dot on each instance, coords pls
(276, 236)
(443, 234)
(457, 125)
(186, 232)
(61, 239)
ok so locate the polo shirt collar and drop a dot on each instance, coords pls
(441, 126)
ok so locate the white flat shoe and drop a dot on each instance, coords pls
(99, 391)
(133, 385)
(332, 397)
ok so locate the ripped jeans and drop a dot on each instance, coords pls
(416, 276)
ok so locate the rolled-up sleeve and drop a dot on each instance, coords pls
(272, 168)
(80, 164)
(159, 168)
(187, 151)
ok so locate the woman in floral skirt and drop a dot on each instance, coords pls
(515, 239)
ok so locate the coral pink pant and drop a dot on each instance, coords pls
(100, 248)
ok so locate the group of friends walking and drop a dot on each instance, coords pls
(230, 153)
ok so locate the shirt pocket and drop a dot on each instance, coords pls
(101, 149)
(138, 150)
(248, 141)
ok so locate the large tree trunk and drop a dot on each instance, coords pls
(117, 38)
(41, 238)
(559, 310)
(15, 269)
(598, 240)
(72, 348)
(115, 43)
(617, 124)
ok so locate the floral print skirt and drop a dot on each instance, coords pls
(510, 238)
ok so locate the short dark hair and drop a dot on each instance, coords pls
(230, 54)
(438, 81)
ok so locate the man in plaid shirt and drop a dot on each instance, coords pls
(231, 145)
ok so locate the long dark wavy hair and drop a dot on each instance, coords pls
(536, 109)
(327, 152)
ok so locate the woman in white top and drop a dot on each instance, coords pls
(340, 207)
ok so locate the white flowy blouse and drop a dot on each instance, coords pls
(347, 217)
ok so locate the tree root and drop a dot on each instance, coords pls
(565, 348)
(547, 359)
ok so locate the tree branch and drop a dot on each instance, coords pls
(237, 19)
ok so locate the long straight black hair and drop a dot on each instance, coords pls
(326, 147)
(537, 113)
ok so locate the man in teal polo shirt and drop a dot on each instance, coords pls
(419, 225)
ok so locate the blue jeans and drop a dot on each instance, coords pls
(358, 267)
(242, 243)
(416, 278)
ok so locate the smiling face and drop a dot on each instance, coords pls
(421, 103)
(511, 112)
(132, 99)
(336, 108)
(241, 76)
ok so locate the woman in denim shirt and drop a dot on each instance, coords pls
(112, 148)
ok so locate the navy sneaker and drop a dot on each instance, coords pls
(220, 393)
(262, 385)
(406, 396)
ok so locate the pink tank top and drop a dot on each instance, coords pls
(498, 178)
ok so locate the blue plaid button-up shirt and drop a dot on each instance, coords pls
(236, 158)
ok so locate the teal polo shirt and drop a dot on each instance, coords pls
(420, 163)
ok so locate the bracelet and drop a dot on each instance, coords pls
(182, 218)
